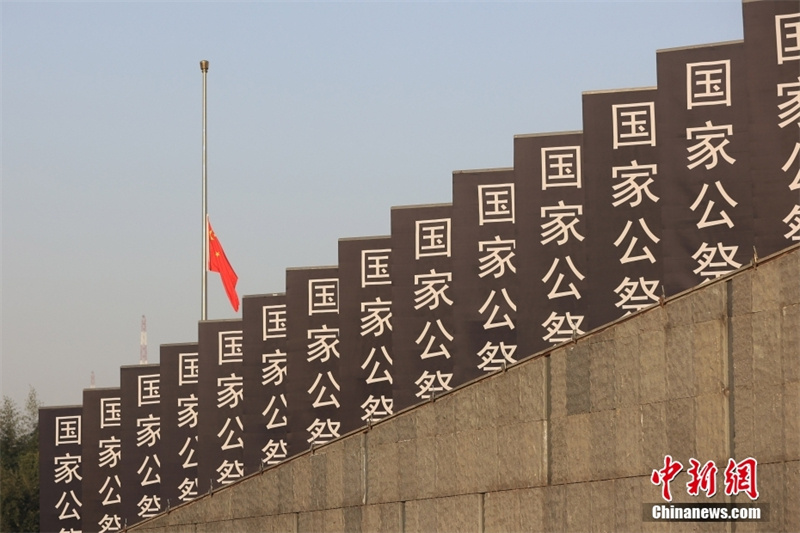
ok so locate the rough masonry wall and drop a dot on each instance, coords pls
(564, 441)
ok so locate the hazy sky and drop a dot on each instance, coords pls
(321, 116)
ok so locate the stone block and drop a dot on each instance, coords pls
(381, 518)
(710, 303)
(558, 450)
(606, 364)
(408, 469)
(579, 446)
(501, 512)
(426, 467)
(352, 472)
(766, 287)
(445, 409)
(578, 379)
(628, 497)
(679, 311)
(406, 426)
(602, 445)
(445, 454)
(791, 513)
(790, 342)
(532, 377)
(768, 429)
(579, 506)
(711, 432)
(744, 417)
(334, 479)
(680, 362)
(352, 519)
(654, 435)
(789, 272)
(458, 513)
(217, 506)
(301, 483)
(627, 441)
(420, 516)
(791, 420)
(506, 390)
(681, 426)
(602, 504)
(710, 356)
(741, 331)
(554, 516)
(385, 431)
(558, 383)
(740, 291)
(767, 359)
(382, 473)
(653, 368)
(319, 479)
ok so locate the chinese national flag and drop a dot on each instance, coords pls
(217, 262)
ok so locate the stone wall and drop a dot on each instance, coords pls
(565, 440)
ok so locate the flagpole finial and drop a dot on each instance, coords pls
(204, 65)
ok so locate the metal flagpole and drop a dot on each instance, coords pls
(204, 290)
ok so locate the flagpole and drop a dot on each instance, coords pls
(204, 290)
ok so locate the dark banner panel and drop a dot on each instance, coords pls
(180, 366)
(620, 166)
(772, 48)
(60, 472)
(485, 286)
(140, 389)
(102, 451)
(365, 318)
(220, 450)
(552, 239)
(707, 213)
(422, 303)
(312, 380)
(265, 366)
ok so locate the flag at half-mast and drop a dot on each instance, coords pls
(217, 262)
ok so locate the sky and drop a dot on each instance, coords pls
(321, 117)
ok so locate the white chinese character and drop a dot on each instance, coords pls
(496, 356)
(432, 238)
(148, 390)
(704, 151)
(110, 412)
(372, 375)
(634, 124)
(495, 203)
(787, 36)
(188, 488)
(637, 181)
(427, 353)
(556, 330)
(433, 289)
(111, 490)
(375, 267)
(498, 257)
(230, 347)
(636, 295)
(146, 478)
(376, 317)
(377, 408)
(187, 413)
(149, 505)
(646, 253)
(66, 468)
(68, 430)
(275, 371)
(789, 162)
(68, 511)
(319, 401)
(506, 321)
(150, 431)
(429, 384)
(793, 221)
(564, 218)
(230, 391)
(109, 523)
(273, 318)
(188, 451)
(723, 216)
(790, 109)
(323, 431)
(274, 452)
(323, 296)
(554, 292)
(229, 444)
(561, 167)
(275, 421)
(709, 268)
(708, 83)
(188, 363)
(324, 344)
(109, 452)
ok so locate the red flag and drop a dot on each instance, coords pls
(217, 262)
